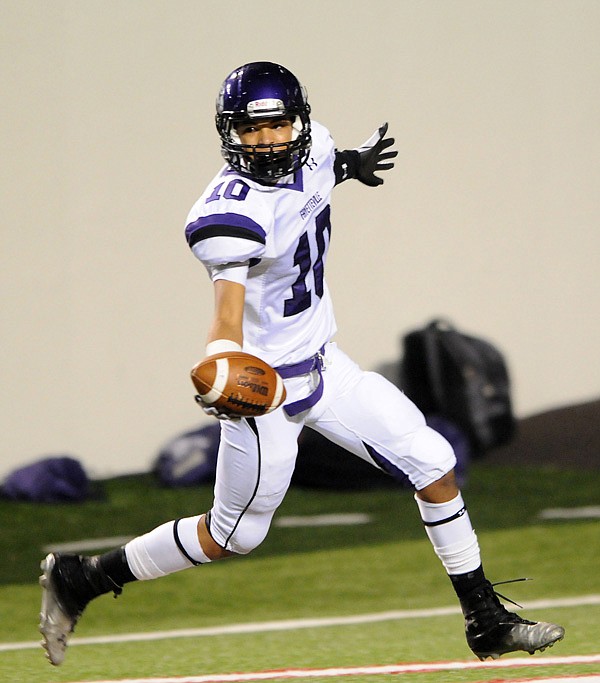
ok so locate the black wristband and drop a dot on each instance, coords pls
(346, 165)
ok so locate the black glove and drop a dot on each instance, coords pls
(373, 157)
(211, 411)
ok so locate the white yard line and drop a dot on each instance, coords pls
(291, 624)
(341, 519)
(589, 512)
(86, 544)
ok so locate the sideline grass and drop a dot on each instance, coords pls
(369, 644)
(343, 581)
(378, 567)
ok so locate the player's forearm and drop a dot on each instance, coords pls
(221, 329)
(229, 312)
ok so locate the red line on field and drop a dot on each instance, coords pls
(424, 667)
(574, 678)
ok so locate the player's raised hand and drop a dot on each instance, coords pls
(374, 157)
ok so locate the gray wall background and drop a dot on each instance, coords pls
(491, 216)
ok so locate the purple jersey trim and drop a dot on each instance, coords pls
(296, 184)
(388, 467)
(224, 225)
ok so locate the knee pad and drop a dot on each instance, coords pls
(432, 454)
(249, 532)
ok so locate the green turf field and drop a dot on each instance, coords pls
(299, 573)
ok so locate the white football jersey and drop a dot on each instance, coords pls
(282, 232)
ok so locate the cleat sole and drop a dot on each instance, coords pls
(50, 626)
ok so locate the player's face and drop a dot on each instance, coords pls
(268, 133)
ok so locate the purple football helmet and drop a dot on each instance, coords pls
(256, 91)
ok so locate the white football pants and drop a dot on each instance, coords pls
(361, 411)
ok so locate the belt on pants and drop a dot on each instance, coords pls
(303, 368)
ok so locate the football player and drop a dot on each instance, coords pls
(262, 230)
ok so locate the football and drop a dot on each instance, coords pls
(238, 384)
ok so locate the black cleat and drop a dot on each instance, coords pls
(492, 630)
(68, 584)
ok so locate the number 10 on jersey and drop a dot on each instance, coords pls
(301, 298)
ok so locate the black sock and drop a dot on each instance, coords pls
(466, 583)
(114, 564)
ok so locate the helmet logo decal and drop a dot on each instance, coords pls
(267, 107)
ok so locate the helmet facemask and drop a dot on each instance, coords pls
(267, 161)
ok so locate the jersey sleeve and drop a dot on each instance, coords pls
(228, 224)
(220, 239)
